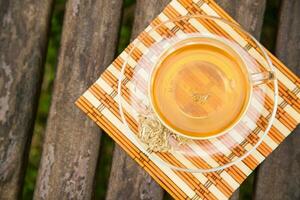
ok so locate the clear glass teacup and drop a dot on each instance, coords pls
(197, 93)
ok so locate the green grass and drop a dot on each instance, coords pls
(101, 180)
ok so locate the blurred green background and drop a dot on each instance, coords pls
(268, 39)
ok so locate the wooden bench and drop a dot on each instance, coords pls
(72, 141)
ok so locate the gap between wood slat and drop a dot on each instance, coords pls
(71, 144)
(44, 100)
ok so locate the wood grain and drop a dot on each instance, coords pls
(279, 176)
(23, 42)
(72, 141)
(236, 195)
(250, 14)
(127, 179)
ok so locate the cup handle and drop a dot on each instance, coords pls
(262, 77)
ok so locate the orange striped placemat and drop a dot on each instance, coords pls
(100, 103)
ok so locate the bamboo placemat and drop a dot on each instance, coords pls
(100, 103)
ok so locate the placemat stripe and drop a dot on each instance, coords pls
(113, 106)
(252, 159)
(100, 103)
(88, 108)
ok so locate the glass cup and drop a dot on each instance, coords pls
(172, 90)
(195, 108)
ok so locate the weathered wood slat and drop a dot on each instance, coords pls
(23, 42)
(249, 13)
(127, 179)
(236, 195)
(72, 141)
(279, 176)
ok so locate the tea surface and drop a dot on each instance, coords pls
(201, 88)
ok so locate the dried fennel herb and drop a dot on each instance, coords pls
(156, 136)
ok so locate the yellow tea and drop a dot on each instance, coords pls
(200, 87)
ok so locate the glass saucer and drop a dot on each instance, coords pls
(164, 145)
